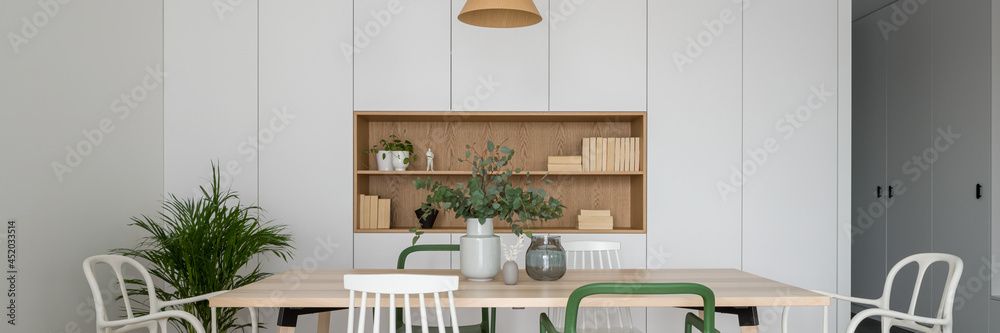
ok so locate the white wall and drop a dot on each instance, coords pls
(67, 80)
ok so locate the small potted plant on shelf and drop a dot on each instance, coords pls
(488, 194)
(392, 154)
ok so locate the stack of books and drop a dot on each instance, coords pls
(565, 163)
(374, 212)
(611, 154)
(595, 220)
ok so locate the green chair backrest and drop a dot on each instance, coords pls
(707, 297)
(401, 263)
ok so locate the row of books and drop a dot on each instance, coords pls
(611, 154)
(374, 212)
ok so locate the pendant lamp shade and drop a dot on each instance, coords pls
(500, 13)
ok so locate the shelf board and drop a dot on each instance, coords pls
(469, 173)
(479, 116)
(538, 230)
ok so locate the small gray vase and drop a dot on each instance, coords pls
(510, 272)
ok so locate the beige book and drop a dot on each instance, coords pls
(638, 155)
(621, 157)
(383, 213)
(604, 157)
(620, 151)
(600, 155)
(593, 154)
(612, 150)
(372, 211)
(595, 222)
(628, 155)
(565, 167)
(584, 212)
(565, 159)
(585, 155)
(362, 211)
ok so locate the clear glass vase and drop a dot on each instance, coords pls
(546, 258)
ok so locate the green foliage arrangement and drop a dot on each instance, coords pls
(393, 144)
(489, 192)
(200, 246)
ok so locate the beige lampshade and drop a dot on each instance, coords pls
(500, 13)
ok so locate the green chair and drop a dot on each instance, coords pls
(692, 320)
(488, 324)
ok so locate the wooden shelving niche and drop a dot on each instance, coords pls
(532, 135)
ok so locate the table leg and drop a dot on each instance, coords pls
(288, 318)
(748, 329)
(323, 323)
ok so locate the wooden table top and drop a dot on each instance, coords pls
(325, 288)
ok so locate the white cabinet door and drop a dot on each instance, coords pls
(597, 55)
(299, 108)
(790, 96)
(869, 190)
(500, 69)
(401, 53)
(381, 251)
(909, 103)
(695, 95)
(210, 96)
(962, 54)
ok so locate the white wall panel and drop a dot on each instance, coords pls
(500, 69)
(402, 55)
(597, 55)
(210, 102)
(695, 100)
(790, 200)
(305, 108)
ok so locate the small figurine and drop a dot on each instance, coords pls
(430, 160)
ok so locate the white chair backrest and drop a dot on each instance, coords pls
(116, 263)
(393, 285)
(924, 261)
(592, 255)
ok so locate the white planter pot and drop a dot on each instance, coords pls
(384, 160)
(400, 160)
(479, 251)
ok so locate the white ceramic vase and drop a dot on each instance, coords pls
(400, 160)
(383, 158)
(479, 251)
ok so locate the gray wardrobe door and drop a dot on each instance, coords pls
(962, 83)
(868, 159)
(910, 90)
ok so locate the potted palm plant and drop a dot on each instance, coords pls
(204, 245)
(488, 195)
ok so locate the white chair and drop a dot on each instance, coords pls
(391, 286)
(942, 323)
(156, 313)
(595, 255)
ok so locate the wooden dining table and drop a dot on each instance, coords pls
(300, 291)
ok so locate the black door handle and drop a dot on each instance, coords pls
(890, 192)
(979, 191)
(878, 191)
